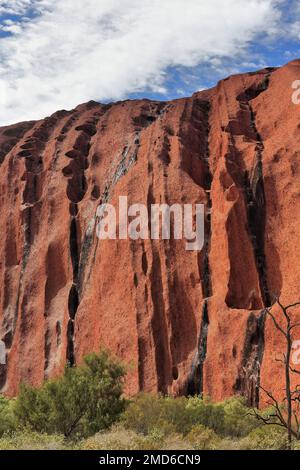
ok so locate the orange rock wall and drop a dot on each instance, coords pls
(184, 322)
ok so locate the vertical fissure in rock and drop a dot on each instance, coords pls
(256, 215)
(256, 210)
(255, 193)
(195, 380)
(205, 268)
(73, 301)
(74, 250)
(248, 381)
(76, 190)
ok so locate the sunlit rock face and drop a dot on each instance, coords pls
(182, 321)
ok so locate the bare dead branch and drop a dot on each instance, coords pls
(275, 322)
(296, 304)
(295, 371)
(284, 414)
(284, 311)
(275, 404)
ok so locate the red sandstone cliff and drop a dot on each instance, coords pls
(184, 321)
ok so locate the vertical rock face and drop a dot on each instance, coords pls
(184, 321)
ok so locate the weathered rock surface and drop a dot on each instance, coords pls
(185, 322)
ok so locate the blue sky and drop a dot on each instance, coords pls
(55, 55)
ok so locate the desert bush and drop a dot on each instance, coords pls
(177, 413)
(28, 440)
(7, 416)
(231, 418)
(117, 438)
(238, 419)
(88, 399)
(204, 411)
(153, 441)
(120, 438)
(202, 438)
(143, 413)
(176, 442)
(156, 440)
(228, 443)
(265, 438)
(172, 415)
(85, 400)
(296, 445)
(149, 412)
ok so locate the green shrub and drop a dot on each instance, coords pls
(202, 438)
(27, 440)
(85, 400)
(176, 442)
(154, 441)
(204, 411)
(269, 437)
(296, 445)
(7, 417)
(231, 418)
(143, 413)
(119, 438)
(88, 399)
(172, 415)
(229, 443)
(238, 419)
(176, 414)
(148, 412)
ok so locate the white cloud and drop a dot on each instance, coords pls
(75, 50)
(14, 7)
(9, 26)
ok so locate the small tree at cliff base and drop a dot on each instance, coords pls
(285, 414)
(85, 400)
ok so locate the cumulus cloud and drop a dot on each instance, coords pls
(14, 7)
(73, 51)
